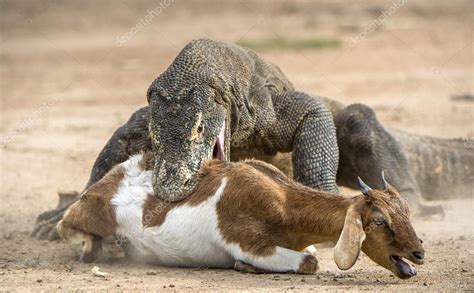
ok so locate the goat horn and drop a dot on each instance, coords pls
(363, 187)
(385, 183)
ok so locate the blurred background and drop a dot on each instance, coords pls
(71, 72)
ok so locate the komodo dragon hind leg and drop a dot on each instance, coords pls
(128, 139)
(366, 149)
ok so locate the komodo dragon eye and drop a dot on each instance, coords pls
(196, 131)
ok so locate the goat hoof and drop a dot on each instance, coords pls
(91, 248)
(88, 257)
(309, 265)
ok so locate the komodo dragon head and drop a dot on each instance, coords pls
(212, 92)
(187, 125)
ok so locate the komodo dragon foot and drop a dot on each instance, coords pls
(46, 222)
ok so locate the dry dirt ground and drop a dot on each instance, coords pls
(73, 72)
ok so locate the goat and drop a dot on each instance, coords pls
(246, 215)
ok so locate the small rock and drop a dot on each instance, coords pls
(39, 280)
(97, 273)
(424, 284)
(151, 273)
(463, 270)
(303, 280)
(276, 278)
(172, 285)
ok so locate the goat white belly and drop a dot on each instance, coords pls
(189, 236)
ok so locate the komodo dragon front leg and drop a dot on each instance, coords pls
(128, 139)
(304, 127)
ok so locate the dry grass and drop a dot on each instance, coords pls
(284, 43)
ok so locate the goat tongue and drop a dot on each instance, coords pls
(404, 267)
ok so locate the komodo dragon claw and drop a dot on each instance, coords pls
(46, 222)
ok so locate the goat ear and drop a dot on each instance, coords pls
(350, 241)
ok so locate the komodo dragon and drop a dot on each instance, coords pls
(220, 100)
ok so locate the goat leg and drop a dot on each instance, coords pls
(91, 248)
(127, 140)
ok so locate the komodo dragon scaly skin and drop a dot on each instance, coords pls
(219, 99)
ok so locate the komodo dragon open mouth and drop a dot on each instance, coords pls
(218, 151)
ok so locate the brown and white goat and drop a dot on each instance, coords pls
(246, 215)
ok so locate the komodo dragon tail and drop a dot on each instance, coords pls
(443, 168)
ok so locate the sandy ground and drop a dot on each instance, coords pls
(67, 81)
